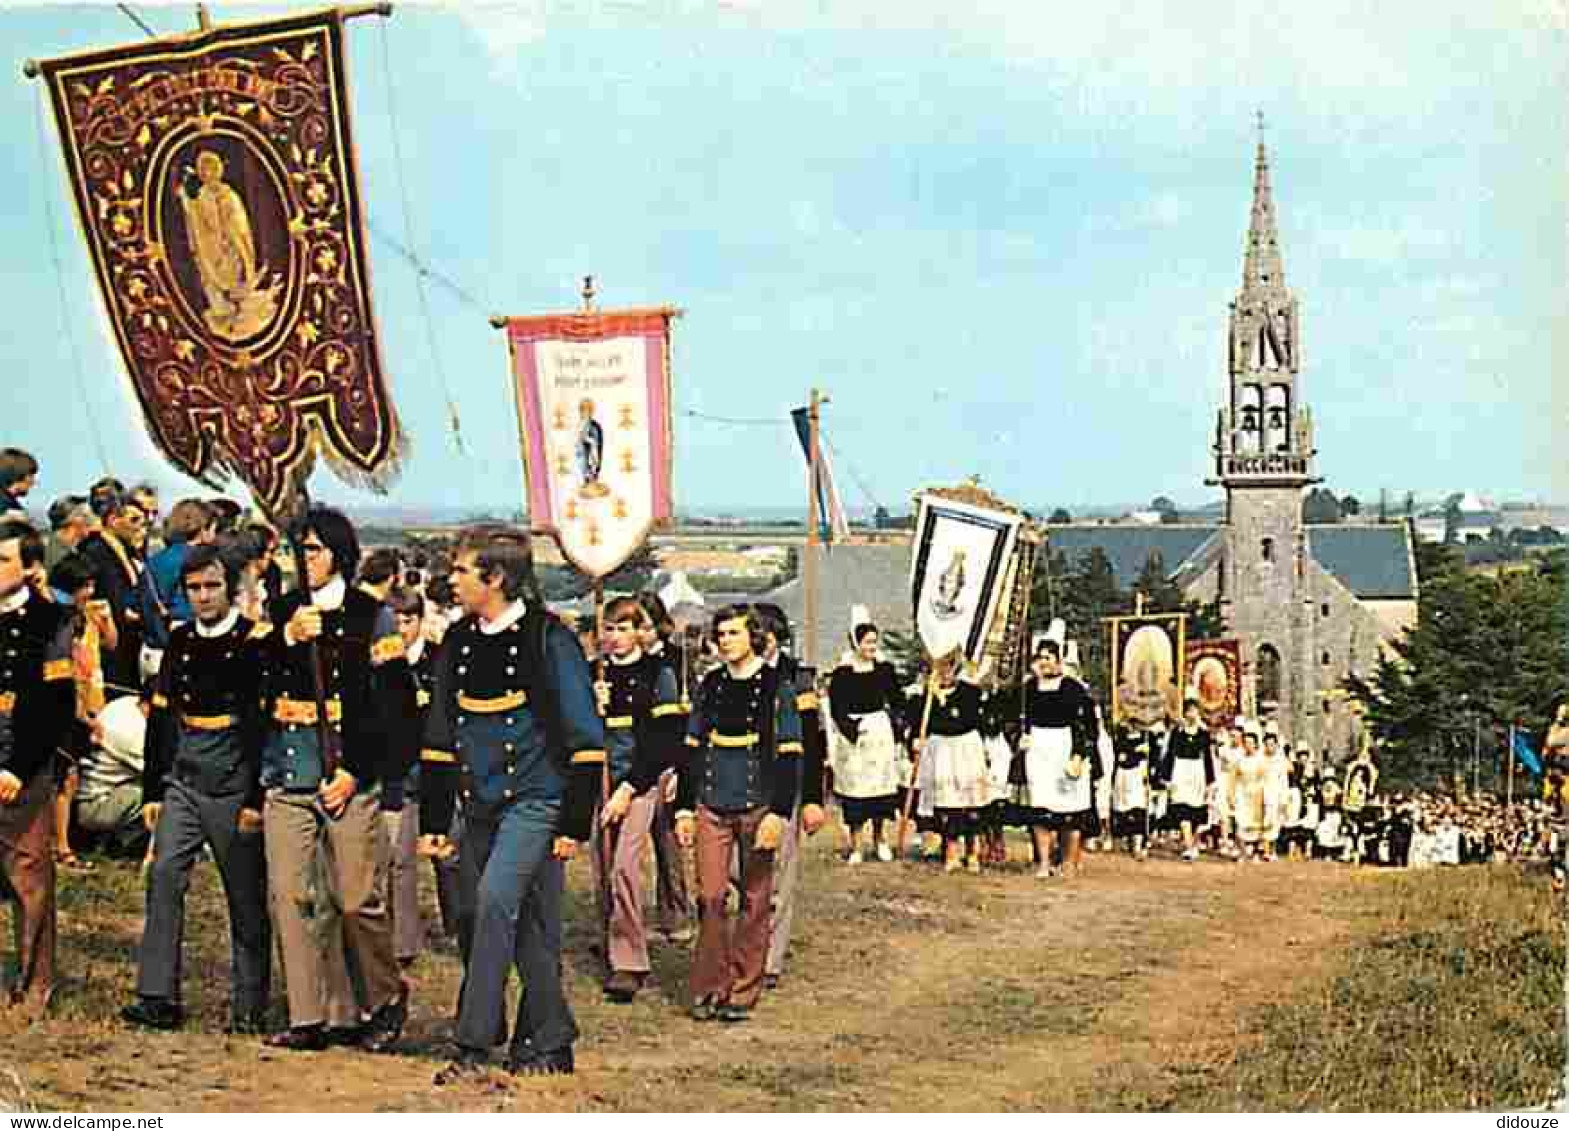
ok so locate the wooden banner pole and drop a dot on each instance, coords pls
(809, 560)
(917, 749)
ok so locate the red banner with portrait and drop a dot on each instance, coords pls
(214, 178)
(1214, 678)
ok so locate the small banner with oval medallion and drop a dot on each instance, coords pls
(214, 178)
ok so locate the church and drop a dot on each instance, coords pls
(1309, 604)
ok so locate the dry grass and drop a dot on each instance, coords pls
(1140, 987)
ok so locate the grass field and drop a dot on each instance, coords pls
(1140, 987)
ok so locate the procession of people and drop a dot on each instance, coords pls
(319, 740)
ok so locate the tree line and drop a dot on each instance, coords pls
(1487, 651)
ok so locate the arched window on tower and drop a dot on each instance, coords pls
(1268, 679)
(1271, 347)
(1277, 420)
(1251, 414)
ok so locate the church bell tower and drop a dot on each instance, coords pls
(1264, 459)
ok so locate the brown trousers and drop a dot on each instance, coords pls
(628, 945)
(728, 966)
(27, 868)
(329, 882)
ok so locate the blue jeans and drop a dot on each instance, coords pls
(511, 886)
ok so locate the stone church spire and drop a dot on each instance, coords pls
(1263, 433)
(1262, 269)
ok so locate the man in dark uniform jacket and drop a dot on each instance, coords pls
(115, 552)
(37, 705)
(202, 788)
(808, 815)
(737, 792)
(400, 787)
(514, 722)
(644, 724)
(319, 816)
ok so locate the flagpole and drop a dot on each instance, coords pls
(1509, 798)
(809, 561)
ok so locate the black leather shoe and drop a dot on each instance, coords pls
(250, 1024)
(733, 1014)
(154, 1013)
(386, 1024)
(299, 1038)
(622, 986)
(704, 1010)
(468, 1064)
(558, 1063)
(344, 1036)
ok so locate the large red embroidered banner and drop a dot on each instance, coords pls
(214, 178)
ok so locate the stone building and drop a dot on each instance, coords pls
(1310, 604)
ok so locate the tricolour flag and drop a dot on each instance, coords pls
(833, 524)
(593, 400)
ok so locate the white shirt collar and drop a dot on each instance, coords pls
(627, 660)
(222, 628)
(15, 601)
(509, 617)
(748, 670)
(330, 596)
(415, 650)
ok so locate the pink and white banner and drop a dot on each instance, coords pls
(593, 397)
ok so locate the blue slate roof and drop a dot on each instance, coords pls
(1129, 547)
(875, 575)
(1371, 561)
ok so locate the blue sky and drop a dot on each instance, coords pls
(1002, 236)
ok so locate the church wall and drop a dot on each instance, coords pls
(1351, 634)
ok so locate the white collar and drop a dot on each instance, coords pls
(625, 661)
(15, 601)
(750, 669)
(222, 628)
(331, 595)
(509, 617)
(415, 650)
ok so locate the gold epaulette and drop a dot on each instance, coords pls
(588, 757)
(807, 701)
(260, 631)
(387, 649)
(160, 701)
(57, 670)
(439, 757)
